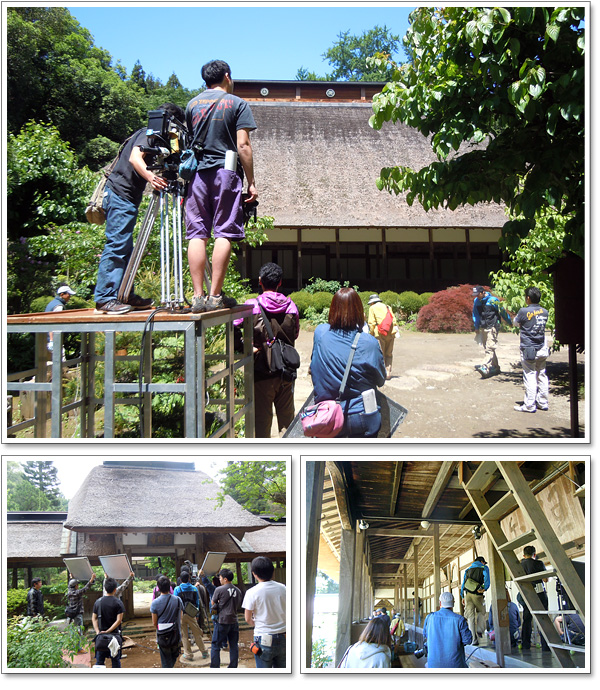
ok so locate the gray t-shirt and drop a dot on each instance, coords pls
(232, 113)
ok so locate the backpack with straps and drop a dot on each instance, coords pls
(474, 580)
(284, 360)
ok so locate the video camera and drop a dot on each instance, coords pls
(421, 652)
(167, 138)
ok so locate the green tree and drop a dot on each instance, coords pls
(173, 82)
(350, 57)
(138, 76)
(541, 248)
(325, 584)
(510, 81)
(23, 495)
(257, 486)
(43, 475)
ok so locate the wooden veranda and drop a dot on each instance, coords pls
(404, 531)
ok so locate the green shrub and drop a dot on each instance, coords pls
(391, 298)
(425, 297)
(250, 295)
(321, 285)
(315, 317)
(302, 300)
(320, 657)
(364, 298)
(321, 300)
(34, 643)
(16, 602)
(40, 303)
(410, 302)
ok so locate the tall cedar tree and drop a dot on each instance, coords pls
(43, 475)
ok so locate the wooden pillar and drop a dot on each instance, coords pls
(405, 581)
(240, 578)
(299, 257)
(384, 255)
(338, 258)
(499, 603)
(396, 595)
(315, 472)
(431, 255)
(29, 576)
(469, 258)
(437, 583)
(358, 560)
(15, 578)
(344, 617)
(416, 584)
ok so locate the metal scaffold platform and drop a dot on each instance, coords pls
(201, 370)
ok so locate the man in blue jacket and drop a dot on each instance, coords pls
(446, 634)
(488, 313)
(188, 593)
(475, 581)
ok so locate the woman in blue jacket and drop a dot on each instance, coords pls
(331, 349)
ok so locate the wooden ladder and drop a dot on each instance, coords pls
(521, 496)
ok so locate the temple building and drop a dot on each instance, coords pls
(316, 160)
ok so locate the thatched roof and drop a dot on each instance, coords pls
(120, 499)
(268, 541)
(33, 540)
(316, 166)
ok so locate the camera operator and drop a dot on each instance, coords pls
(446, 633)
(122, 197)
(214, 197)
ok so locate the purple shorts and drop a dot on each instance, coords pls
(214, 200)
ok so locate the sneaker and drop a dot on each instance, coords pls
(522, 408)
(494, 371)
(543, 409)
(205, 655)
(198, 304)
(187, 657)
(215, 302)
(113, 306)
(137, 302)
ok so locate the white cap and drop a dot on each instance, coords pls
(447, 600)
(65, 288)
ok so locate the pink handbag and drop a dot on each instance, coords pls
(323, 420)
(326, 418)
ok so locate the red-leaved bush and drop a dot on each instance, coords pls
(448, 311)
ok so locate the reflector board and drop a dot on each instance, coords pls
(79, 568)
(213, 562)
(116, 566)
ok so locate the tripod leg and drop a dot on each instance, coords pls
(138, 251)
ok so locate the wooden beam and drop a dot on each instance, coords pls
(339, 490)
(392, 561)
(395, 486)
(437, 585)
(499, 602)
(441, 481)
(405, 533)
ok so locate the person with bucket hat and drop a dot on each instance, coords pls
(383, 325)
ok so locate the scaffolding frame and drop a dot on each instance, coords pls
(48, 391)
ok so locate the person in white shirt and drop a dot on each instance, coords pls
(265, 610)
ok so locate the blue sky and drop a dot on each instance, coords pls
(259, 42)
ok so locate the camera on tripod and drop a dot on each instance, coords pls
(167, 138)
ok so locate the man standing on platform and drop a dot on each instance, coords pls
(214, 198)
(122, 197)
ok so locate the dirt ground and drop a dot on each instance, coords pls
(140, 649)
(433, 377)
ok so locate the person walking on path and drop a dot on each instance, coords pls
(475, 581)
(383, 325)
(488, 314)
(189, 594)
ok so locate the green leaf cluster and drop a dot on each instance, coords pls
(31, 642)
(259, 487)
(501, 94)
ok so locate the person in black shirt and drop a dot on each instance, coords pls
(532, 565)
(35, 599)
(107, 618)
(532, 320)
(122, 197)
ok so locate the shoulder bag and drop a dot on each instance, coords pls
(189, 159)
(326, 419)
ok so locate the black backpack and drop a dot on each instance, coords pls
(474, 579)
(285, 359)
